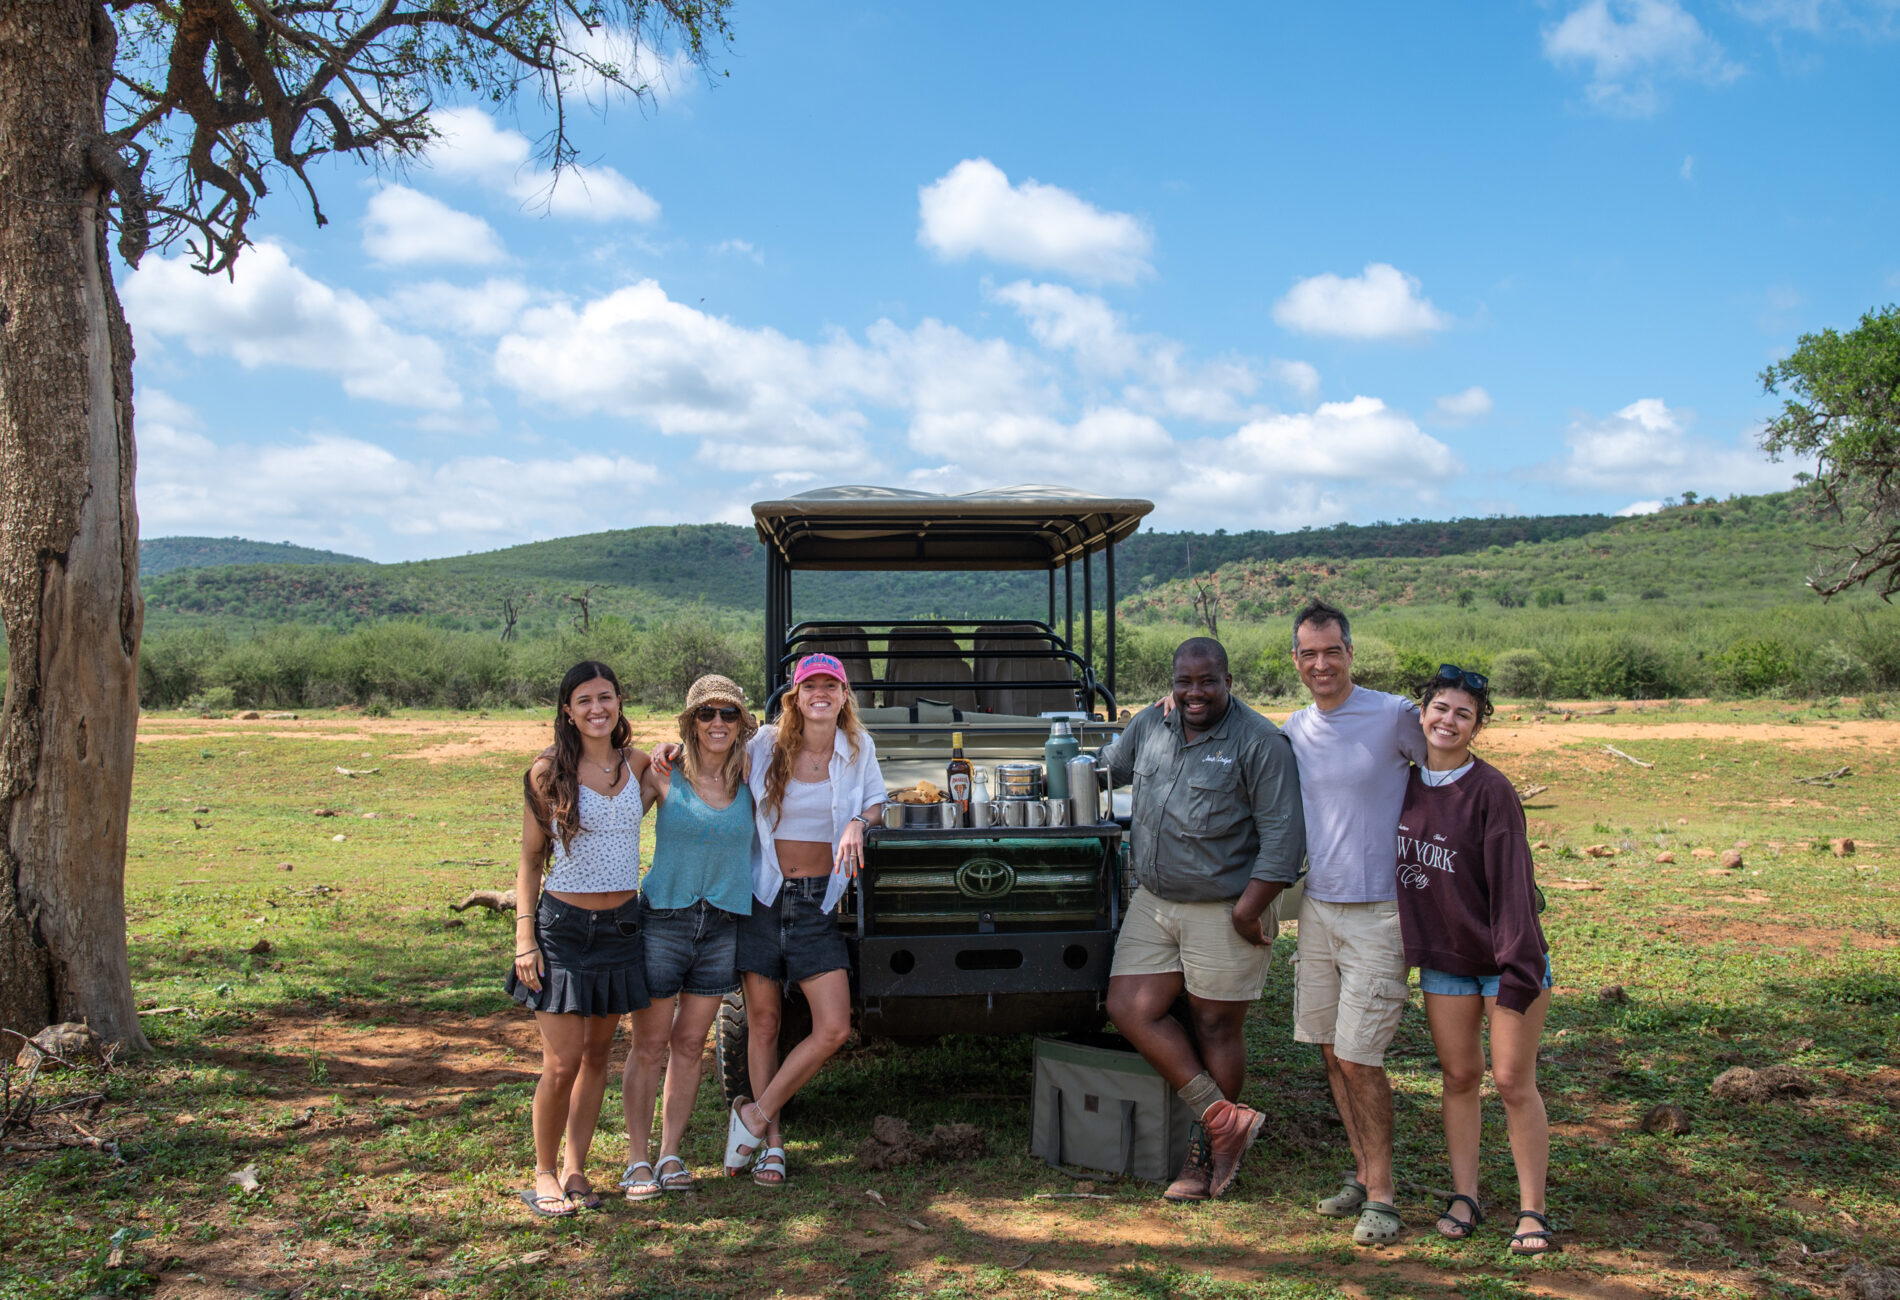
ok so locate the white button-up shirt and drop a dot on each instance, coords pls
(857, 786)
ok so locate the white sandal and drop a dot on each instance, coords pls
(679, 1180)
(770, 1161)
(738, 1135)
(641, 1189)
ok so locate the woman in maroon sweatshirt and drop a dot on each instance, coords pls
(1468, 910)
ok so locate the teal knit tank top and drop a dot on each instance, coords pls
(700, 851)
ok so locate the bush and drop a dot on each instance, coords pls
(1621, 665)
(1377, 665)
(1877, 643)
(1549, 596)
(1596, 595)
(176, 666)
(1756, 666)
(1522, 672)
(1835, 670)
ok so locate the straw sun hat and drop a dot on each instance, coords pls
(714, 689)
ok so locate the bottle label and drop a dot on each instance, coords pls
(960, 788)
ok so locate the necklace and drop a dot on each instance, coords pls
(612, 772)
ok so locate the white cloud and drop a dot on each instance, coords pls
(1639, 508)
(1647, 448)
(1302, 377)
(1687, 170)
(402, 225)
(473, 148)
(269, 313)
(739, 248)
(1381, 302)
(1362, 439)
(1159, 377)
(1471, 404)
(480, 311)
(973, 209)
(353, 494)
(1628, 45)
(658, 76)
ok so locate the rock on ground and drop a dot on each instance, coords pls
(892, 1144)
(1666, 1119)
(1745, 1085)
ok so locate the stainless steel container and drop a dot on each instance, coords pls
(1085, 790)
(951, 814)
(1025, 812)
(894, 815)
(1019, 780)
(925, 816)
(979, 814)
(1058, 811)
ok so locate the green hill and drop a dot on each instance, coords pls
(1747, 551)
(164, 554)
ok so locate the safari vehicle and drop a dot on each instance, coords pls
(1000, 930)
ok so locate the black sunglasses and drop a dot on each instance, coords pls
(1470, 681)
(725, 713)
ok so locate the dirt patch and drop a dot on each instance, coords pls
(309, 1057)
(1710, 928)
(1521, 738)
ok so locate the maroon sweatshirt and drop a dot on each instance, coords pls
(1466, 905)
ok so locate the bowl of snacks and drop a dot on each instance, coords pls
(919, 805)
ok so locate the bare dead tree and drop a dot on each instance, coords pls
(1204, 601)
(585, 599)
(170, 121)
(509, 611)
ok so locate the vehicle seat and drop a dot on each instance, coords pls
(944, 663)
(847, 642)
(1031, 658)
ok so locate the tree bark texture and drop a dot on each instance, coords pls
(68, 536)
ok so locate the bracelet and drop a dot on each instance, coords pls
(525, 953)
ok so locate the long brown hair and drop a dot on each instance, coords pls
(791, 735)
(555, 796)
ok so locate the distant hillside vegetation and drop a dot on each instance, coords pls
(1740, 550)
(163, 554)
(1744, 551)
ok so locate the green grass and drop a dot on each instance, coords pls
(394, 1029)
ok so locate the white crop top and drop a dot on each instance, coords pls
(605, 855)
(805, 812)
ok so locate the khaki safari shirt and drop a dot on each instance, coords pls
(1213, 814)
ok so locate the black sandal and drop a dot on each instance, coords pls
(1517, 1238)
(1464, 1228)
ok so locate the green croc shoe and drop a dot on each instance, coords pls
(1344, 1203)
(1379, 1224)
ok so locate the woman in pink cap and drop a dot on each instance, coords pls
(816, 786)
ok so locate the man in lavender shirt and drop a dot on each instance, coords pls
(1355, 748)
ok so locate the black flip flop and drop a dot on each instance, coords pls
(1517, 1238)
(532, 1199)
(1465, 1227)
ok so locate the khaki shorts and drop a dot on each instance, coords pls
(1197, 941)
(1349, 978)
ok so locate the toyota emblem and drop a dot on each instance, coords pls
(985, 878)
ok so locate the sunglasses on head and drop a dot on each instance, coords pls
(1470, 681)
(725, 713)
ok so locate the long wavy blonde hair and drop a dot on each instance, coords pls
(790, 737)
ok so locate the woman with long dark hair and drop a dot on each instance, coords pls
(578, 959)
(691, 902)
(1468, 909)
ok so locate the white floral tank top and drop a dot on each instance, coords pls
(605, 855)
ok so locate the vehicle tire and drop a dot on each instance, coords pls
(729, 1040)
(729, 1048)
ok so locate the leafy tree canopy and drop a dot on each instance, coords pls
(210, 99)
(1843, 408)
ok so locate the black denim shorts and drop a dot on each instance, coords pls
(793, 940)
(596, 964)
(690, 949)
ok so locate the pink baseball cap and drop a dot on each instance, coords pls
(818, 666)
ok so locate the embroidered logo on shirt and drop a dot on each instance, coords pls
(1217, 758)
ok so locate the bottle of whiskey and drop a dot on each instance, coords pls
(958, 778)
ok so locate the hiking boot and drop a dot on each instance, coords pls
(1197, 1171)
(1231, 1129)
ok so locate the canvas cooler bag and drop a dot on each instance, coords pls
(1098, 1105)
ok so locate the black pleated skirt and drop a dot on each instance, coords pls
(596, 962)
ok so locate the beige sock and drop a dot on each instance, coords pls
(1200, 1093)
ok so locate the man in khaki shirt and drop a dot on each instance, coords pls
(1218, 832)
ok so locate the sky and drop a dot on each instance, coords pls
(1265, 265)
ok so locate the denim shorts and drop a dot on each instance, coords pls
(595, 965)
(690, 949)
(1467, 986)
(793, 940)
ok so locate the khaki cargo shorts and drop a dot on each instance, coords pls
(1349, 978)
(1197, 941)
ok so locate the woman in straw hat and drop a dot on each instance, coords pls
(691, 900)
(815, 787)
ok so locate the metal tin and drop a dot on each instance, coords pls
(1085, 791)
(1019, 780)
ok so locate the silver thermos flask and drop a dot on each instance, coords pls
(1085, 791)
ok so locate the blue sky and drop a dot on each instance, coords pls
(1266, 266)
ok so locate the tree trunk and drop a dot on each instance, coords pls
(68, 536)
